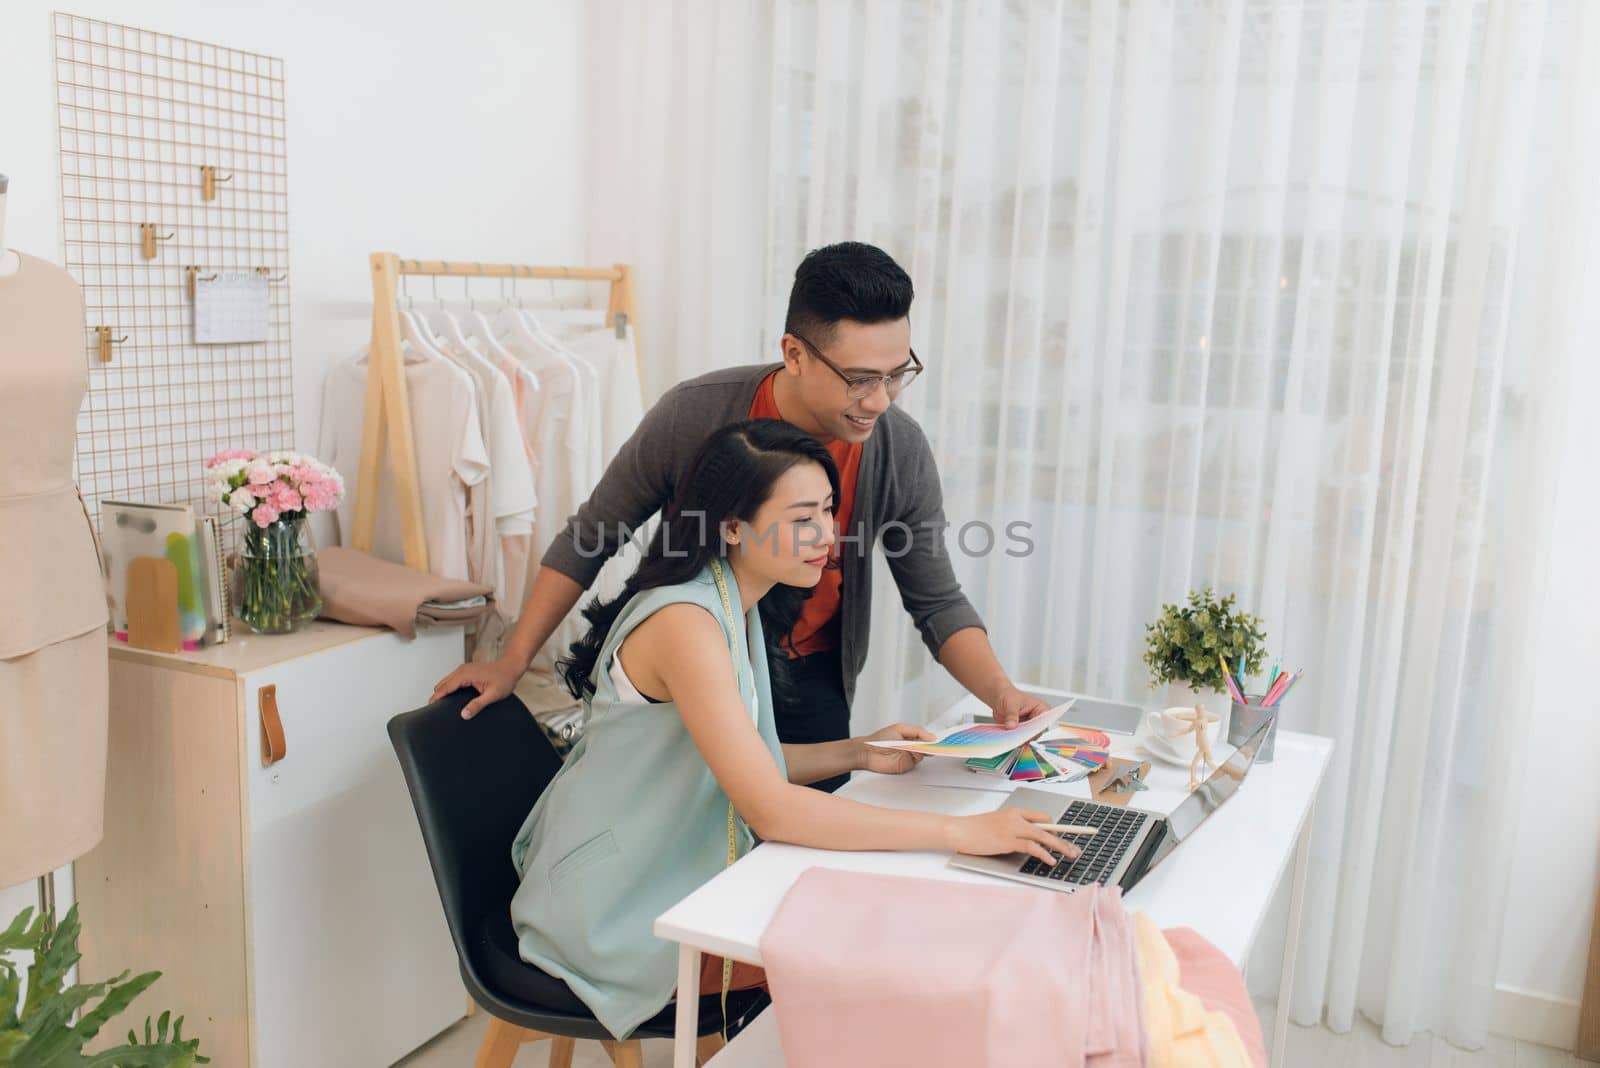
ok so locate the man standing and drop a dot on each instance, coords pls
(846, 358)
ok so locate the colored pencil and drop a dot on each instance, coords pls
(1227, 674)
(1283, 691)
(1234, 689)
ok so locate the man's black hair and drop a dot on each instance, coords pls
(850, 280)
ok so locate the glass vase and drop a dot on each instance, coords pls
(275, 586)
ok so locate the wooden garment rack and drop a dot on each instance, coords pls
(387, 418)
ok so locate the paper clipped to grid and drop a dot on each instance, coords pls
(982, 739)
(230, 308)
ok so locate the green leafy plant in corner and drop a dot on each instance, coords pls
(39, 1032)
(1184, 643)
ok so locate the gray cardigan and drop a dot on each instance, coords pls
(898, 502)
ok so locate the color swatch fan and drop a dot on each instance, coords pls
(1071, 753)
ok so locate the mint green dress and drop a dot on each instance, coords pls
(632, 824)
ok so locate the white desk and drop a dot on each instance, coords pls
(1221, 882)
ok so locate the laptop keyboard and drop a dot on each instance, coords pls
(1101, 852)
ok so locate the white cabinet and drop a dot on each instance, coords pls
(290, 907)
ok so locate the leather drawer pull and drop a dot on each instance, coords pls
(273, 744)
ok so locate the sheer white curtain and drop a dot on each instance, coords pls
(1269, 296)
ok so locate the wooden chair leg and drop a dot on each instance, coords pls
(500, 1044)
(561, 1052)
(629, 1054)
(708, 1046)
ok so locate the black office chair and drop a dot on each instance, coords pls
(472, 783)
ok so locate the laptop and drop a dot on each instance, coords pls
(1114, 717)
(1130, 842)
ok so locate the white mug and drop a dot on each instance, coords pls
(1164, 735)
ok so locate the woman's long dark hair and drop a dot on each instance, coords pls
(730, 478)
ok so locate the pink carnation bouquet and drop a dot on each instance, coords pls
(279, 485)
(275, 578)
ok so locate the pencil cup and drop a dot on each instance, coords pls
(1244, 720)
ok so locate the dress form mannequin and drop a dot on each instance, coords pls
(53, 664)
(9, 261)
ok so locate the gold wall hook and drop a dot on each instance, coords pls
(105, 341)
(148, 238)
(192, 273)
(209, 180)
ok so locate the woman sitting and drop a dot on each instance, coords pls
(680, 761)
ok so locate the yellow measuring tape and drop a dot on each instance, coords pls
(733, 851)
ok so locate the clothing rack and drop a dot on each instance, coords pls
(388, 408)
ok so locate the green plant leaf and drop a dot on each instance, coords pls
(155, 1055)
(56, 1045)
(10, 993)
(56, 953)
(164, 1047)
(1183, 643)
(42, 1035)
(56, 1011)
(20, 935)
(115, 1001)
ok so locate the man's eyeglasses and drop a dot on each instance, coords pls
(862, 386)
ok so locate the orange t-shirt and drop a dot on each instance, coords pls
(817, 629)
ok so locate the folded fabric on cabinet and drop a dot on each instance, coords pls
(359, 588)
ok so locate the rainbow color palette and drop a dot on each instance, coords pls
(1077, 752)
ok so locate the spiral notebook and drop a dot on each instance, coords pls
(219, 608)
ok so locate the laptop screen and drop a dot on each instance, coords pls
(1210, 795)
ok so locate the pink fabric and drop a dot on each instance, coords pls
(1116, 1034)
(882, 969)
(1208, 974)
(526, 416)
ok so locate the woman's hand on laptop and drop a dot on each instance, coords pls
(1008, 830)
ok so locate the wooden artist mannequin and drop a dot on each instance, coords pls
(1200, 722)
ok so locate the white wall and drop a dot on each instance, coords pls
(451, 132)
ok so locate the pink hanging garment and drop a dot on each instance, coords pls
(882, 969)
(1116, 996)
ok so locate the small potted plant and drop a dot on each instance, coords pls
(275, 587)
(1186, 645)
(40, 1030)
